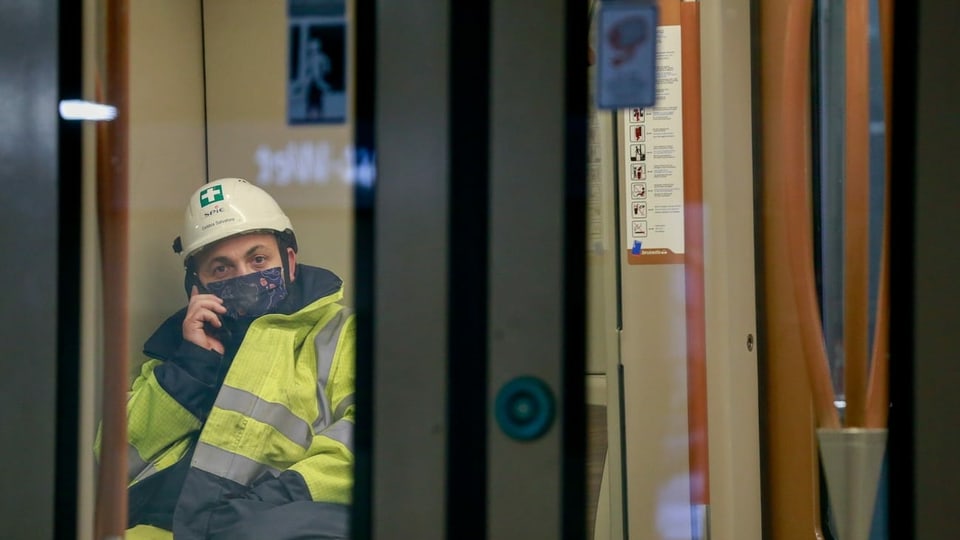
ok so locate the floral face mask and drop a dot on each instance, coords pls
(251, 295)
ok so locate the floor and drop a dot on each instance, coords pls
(596, 453)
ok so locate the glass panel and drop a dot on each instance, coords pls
(241, 342)
(830, 150)
(671, 284)
(604, 496)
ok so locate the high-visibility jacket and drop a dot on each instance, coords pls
(273, 458)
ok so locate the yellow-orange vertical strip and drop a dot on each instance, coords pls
(856, 262)
(878, 393)
(878, 399)
(791, 478)
(113, 210)
(693, 253)
(798, 208)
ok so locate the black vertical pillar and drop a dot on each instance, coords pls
(38, 324)
(924, 365)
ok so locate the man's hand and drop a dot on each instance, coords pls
(202, 309)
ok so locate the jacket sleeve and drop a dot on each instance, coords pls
(328, 472)
(167, 402)
(192, 378)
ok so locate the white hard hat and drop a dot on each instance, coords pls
(227, 207)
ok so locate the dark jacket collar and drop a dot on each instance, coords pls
(311, 284)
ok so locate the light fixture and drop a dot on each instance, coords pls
(78, 109)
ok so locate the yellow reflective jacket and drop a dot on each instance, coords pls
(273, 455)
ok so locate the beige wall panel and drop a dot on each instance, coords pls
(307, 168)
(166, 154)
(733, 402)
(653, 353)
(654, 341)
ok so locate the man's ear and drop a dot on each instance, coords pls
(292, 263)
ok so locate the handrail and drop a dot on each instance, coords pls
(796, 330)
(878, 394)
(797, 209)
(856, 211)
(113, 209)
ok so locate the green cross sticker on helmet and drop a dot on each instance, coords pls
(211, 195)
(228, 207)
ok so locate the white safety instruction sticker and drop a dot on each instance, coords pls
(653, 159)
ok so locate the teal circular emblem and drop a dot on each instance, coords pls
(525, 408)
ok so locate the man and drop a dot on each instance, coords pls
(240, 423)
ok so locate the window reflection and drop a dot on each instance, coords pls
(240, 414)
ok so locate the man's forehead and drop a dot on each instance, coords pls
(238, 244)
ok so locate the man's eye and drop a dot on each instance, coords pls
(218, 270)
(260, 259)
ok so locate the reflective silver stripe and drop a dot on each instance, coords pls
(224, 464)
(145, 473)
(274, 414)
(137, 468)
(325, 345)
(342, 432)
(135, 463)
(342, 407)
